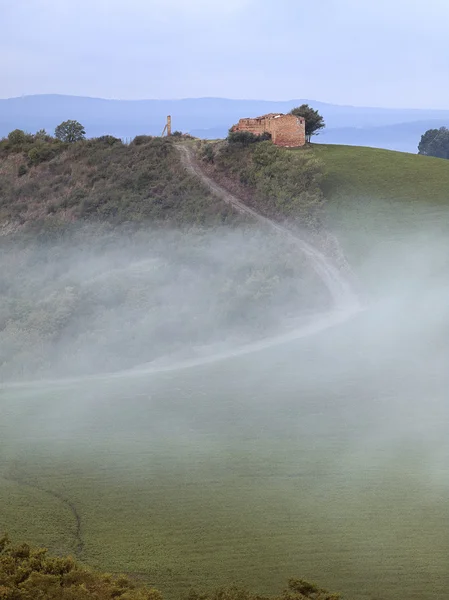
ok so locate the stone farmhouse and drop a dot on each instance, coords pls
(285, 130)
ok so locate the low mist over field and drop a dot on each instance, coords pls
(318, 450)
(224, 321)
(98, 301)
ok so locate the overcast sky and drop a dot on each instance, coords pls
(392, 53)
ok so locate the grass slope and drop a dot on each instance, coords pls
(376, 198)
(199, 478)
(358, 172)
(247, 470)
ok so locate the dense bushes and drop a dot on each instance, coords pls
(101, 178)
(280, 183)
(17, 137)
(207, 153)
(139, 140)
(28, 573)
(35, 148)
(245, 138)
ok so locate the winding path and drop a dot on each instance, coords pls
(77, 530)
(345, 302)
(339, 288)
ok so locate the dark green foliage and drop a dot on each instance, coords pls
(298, 589)
(28, 573)
(245, 138)
(207, 153)
(139, 140)
(177, 133)
(43, 136)
(36, 149)
(108, 140)
(41, 152)
(17, 137)
(314, 121)
(435, 142)
(280, 183)
(70, 131)
(22, 170)
(104, 179)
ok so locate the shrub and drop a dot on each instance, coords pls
(207, 154)
(245, 138)
(22, 170)
(177, 133)
(30, 573)
(139, 140)
(17, 137)
(108, 140)
(27, 572)
(279, 182)
(41, 152)
(43, 136)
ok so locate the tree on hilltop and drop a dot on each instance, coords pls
(70, 131)
(314, 121)
(435, 142)
(16, 137)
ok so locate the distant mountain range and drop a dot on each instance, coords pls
(395, 129)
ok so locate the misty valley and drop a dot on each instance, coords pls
(224, 300)
(103, 301)
(324, 454)
(223, 366)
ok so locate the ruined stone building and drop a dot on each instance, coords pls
(285, 130)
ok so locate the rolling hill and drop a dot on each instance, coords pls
(210, 118)
(247, 471)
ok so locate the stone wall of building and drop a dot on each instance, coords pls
(285, 130)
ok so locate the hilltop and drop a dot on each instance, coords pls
(130, 246)
(210, 118)
(351, 178)
(103, 179)
(47, 182)
(239, 460)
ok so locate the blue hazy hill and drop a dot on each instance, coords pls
(396, 129)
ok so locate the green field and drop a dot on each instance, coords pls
(358, 173)
(294, 461)
(377, 199)
(323, 458)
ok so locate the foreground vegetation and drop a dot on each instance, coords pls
(28, 573)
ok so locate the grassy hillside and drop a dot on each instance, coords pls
(305, 458)
(44, 181)
(115, 197)
(376, 200)
(355, 173)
